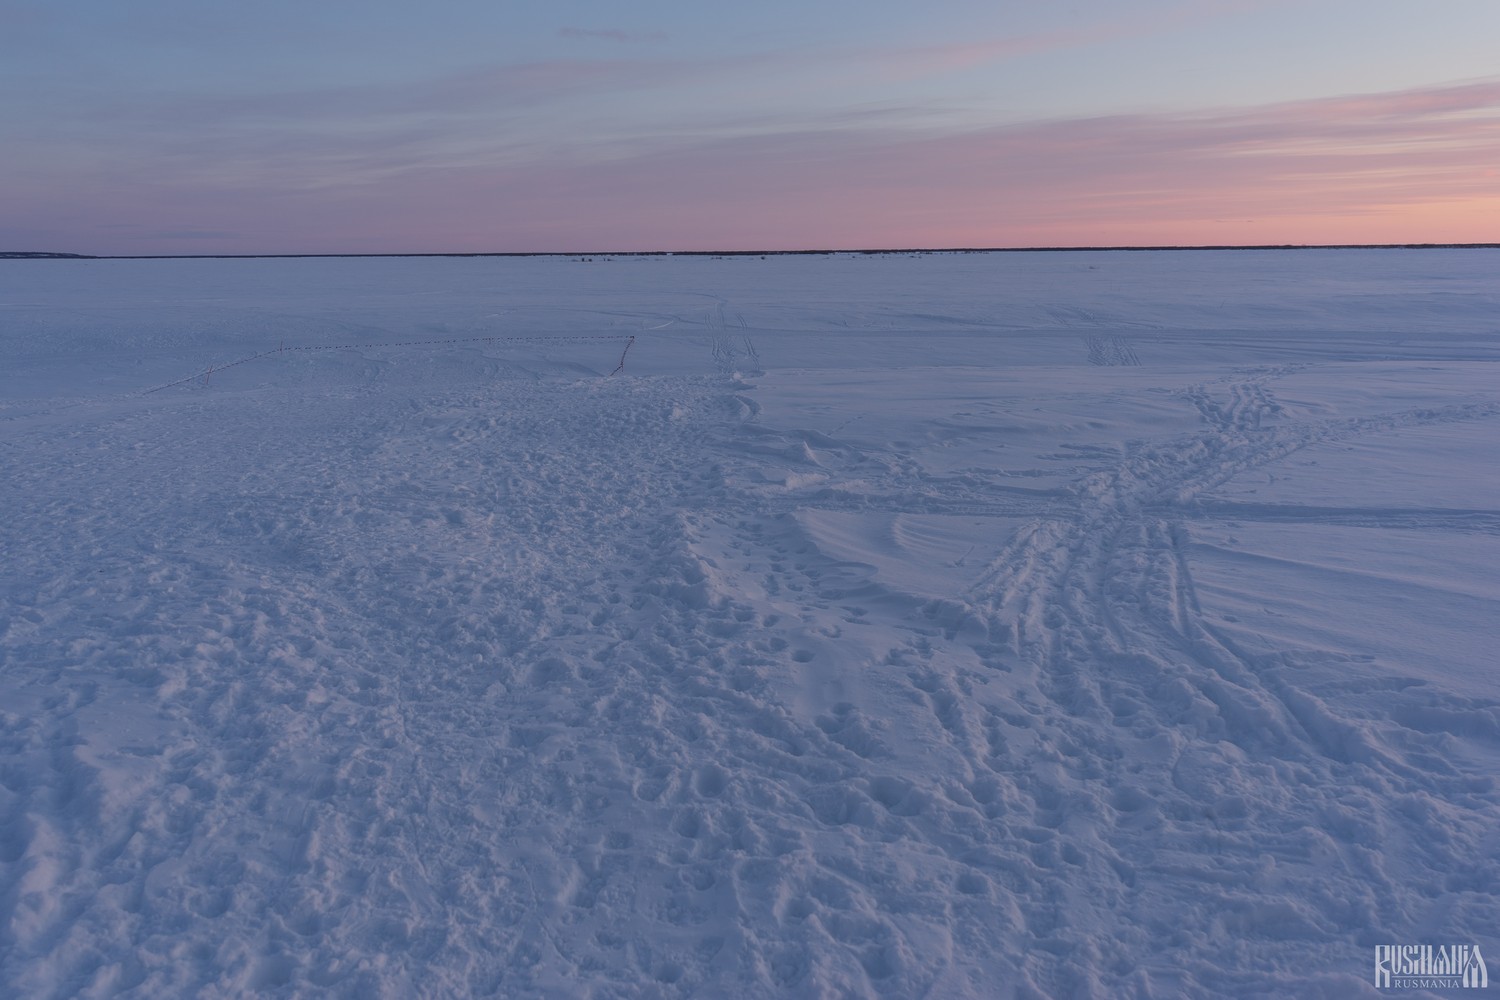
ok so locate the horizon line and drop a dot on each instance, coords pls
(869, 251)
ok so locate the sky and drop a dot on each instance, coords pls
(375, 126)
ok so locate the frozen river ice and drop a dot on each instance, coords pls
(949, 625)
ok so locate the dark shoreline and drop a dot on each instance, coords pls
(763, 253)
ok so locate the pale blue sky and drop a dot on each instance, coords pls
(163, 126)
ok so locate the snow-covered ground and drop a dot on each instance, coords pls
(949, 625)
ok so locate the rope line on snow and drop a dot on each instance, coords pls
(282, 349)
(211, 369)
(620, 367)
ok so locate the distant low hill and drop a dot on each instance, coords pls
(15, 254)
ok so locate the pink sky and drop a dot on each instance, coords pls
(577, 152)
(1415, 166)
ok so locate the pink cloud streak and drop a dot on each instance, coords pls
(1409, 166)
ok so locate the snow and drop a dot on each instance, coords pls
(950, 625)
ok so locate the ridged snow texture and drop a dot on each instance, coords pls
(1067, 625)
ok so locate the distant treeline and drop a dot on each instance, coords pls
(27, 254)
(764, 253)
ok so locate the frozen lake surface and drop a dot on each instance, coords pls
(948, 625)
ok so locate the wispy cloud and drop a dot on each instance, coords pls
(1342, 168)
(192, 234)
(1401, 166)
(612, 35)
(921, 60)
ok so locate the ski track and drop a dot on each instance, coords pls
(538, 685)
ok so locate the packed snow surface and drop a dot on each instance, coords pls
(940, 625)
